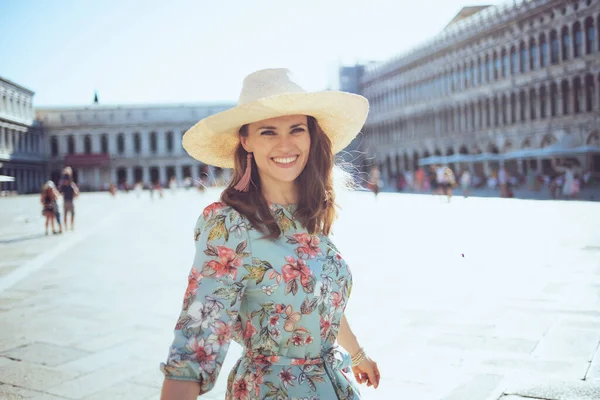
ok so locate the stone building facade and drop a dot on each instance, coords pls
(21, 144)
(122, 144)
(522, 76)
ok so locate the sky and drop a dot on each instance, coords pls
(185, 51)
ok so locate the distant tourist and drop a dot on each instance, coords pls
(69, 191)
(48, 199)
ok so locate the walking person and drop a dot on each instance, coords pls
(375, 180)
(48, 200)
(69, 191)
(465, 183)
(266, 272)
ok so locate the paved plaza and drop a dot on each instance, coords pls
(481, 299)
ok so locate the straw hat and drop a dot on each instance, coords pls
(272, 93)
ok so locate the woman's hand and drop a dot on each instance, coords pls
(367, 372)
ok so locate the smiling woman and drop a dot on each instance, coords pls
(266, 273)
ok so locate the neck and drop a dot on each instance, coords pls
(280, 192)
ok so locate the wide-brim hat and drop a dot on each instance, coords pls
(271, 93)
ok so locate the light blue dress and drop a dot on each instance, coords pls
(282, 300)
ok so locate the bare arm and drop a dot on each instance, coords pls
(180, 390)
(346, 337)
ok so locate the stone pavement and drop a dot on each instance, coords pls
(481, 299)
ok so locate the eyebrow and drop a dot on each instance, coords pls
(275, 128)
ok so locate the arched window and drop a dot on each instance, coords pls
(576, 96)
(577, 40)
(524, 63)
(505, 63)
(504, 110)
(170, 142)
(87, 144)
(566, 43)
(564, 92)
(590, 88)
(554, 47)
(121, 143)
(54, 146)
(473, 74)
(532, 103)
(490, 68)
(544, 51)
(488, 119)
(137, 143)
(522, 105)
(496, 112)
(514, 60)
(543, 100)
(590, 36)
(481, 70)
(533, 51)
(104, 143)
(497, 67)
(71, 145)
(553, 99)
(513, 108)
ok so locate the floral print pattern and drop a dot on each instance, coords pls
(282, 300)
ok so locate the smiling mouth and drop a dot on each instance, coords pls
(284, 160)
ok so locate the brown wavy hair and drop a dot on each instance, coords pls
(316, 196)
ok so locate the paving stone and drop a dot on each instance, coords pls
(31, 376)
(9, 392)
(594, 369)
(97, 381)
(125, 391)
(555, 389)
(567, 343)
(477, 387)
(44, 354)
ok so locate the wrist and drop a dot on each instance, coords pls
(358, 357)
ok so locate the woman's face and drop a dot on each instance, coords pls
(280, 147)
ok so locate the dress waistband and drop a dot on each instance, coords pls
(330, 357)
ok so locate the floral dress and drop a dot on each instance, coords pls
(282, 300)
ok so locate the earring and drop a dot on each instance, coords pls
(244, 184)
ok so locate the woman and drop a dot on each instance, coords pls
(266, 273)
(48, 199)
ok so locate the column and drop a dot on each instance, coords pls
(162, 174)
(195, 174)
(146, 175)
(145, 139)
(130, 179)
(97, 185)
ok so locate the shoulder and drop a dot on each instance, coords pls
(220, 219)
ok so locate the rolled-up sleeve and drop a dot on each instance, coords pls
(212, 300)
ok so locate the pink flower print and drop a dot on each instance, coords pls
(274, 320)
(297, 340)
(308, 245)
(286, 377)
(221, 333)
(280, 308)
(211, 210)
(308, 340)
(202, 353)
(242, 388)
(192, 288)
(227, 263)
(325, 325)
(250, 330)
(336, 299)
(275, 333)
(294, 269)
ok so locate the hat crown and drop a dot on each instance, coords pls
(266, 83)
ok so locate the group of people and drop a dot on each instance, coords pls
(50, 198)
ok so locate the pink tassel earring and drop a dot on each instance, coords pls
(244, 184)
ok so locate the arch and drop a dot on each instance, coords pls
(388, 166)
(565, 37)
(547, 140)
(70, 144)
(449, 151)
(578, 49)
(137, 143)
(526, 143)
(87, 144)
(121, 143)
(406, 161)
(426, 154)
(564, 91)
(104, 143)
(533, 53)
(543, 101)
(169, 140)
(398, 163)
(415, 160)
(492, 148)
(437, 152)
(505, 62)
(463, 150)
(590, 35)
(590, 89)
(554, 47)
(508, 146)
(577, 95)
(53, 146)
(593, 139)
(523, 57)
(153, 142)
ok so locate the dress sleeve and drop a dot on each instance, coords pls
(212, 300)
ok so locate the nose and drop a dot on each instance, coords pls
(285, 143)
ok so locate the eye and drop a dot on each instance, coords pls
(298, 130)
(267, 133)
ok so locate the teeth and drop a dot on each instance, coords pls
(286, 160)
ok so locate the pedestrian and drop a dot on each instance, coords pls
(266, 272)
(48, 199)
(375, 182)
(465, 182)
(69, 191)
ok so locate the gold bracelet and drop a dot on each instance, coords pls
(358, 357)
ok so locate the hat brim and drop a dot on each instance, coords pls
(214, 139)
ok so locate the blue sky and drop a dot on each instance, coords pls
(134, 51)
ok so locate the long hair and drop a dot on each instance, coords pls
(316, 195)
